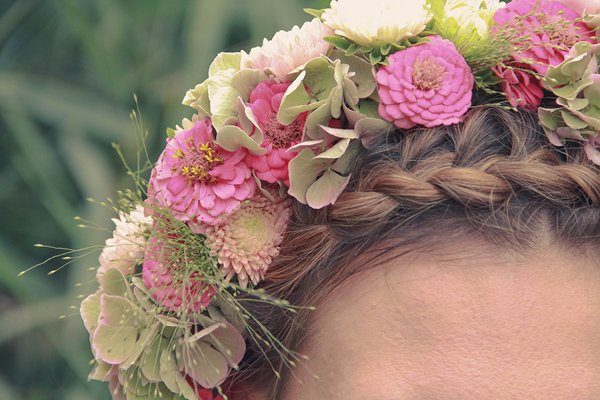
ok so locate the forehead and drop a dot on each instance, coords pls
(477, 328)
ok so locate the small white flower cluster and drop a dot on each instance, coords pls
(125, 248)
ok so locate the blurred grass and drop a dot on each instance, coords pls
(68, 70)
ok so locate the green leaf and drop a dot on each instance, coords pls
(375, 59)
(352, 49)
(338, 41)
(314, 12)
(385, 49)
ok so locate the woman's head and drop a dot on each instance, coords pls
(449, 244)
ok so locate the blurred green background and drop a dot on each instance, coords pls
(68, 71)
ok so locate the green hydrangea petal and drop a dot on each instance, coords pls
(304, 171)
(326, 189)
(114, 283)
(231, 138)
(169, 371)
(113, 344)
(204, 364)
(101, 371)
(150, 364)
(335, 151)
(90, 312)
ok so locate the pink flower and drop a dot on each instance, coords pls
(521, 86)
(583, 6)
(248, 240)
(429, 84)
(197, 180)
(171, 284)
(265, 100)
(551, 29)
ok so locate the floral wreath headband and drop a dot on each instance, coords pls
(283, 124)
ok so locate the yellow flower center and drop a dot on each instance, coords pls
(198, 161)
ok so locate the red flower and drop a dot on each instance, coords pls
(522, 88)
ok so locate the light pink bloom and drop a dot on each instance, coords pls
(170, 284)
(197, 180)
(429, 84)
(125, 249)
(590, 7)
(290, 49)
(551, 27)
(521, 86)
(265, 100)
(248, 240)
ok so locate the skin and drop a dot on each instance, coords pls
(473, 325)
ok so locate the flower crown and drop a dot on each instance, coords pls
(283, 124)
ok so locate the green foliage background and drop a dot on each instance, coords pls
(68, 71)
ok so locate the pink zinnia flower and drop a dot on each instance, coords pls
(197, 180)
(265, 100)
(247, 241)
(170, 284)
(521, 86)
(551, 29)
(429, 84)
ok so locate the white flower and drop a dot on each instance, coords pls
(377, 22)
(289, 50)
(125, 248)
(472, 16)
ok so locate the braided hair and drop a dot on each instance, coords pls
(495, 177)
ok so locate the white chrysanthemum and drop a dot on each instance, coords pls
(125, 248)
(377, 22)
(473, 15)
(289, 50)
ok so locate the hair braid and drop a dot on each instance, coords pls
(494, 176)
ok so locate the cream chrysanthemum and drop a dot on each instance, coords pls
(472, 16)
(246, 243)
(125, 248)
(289, 49)
(377, 22)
